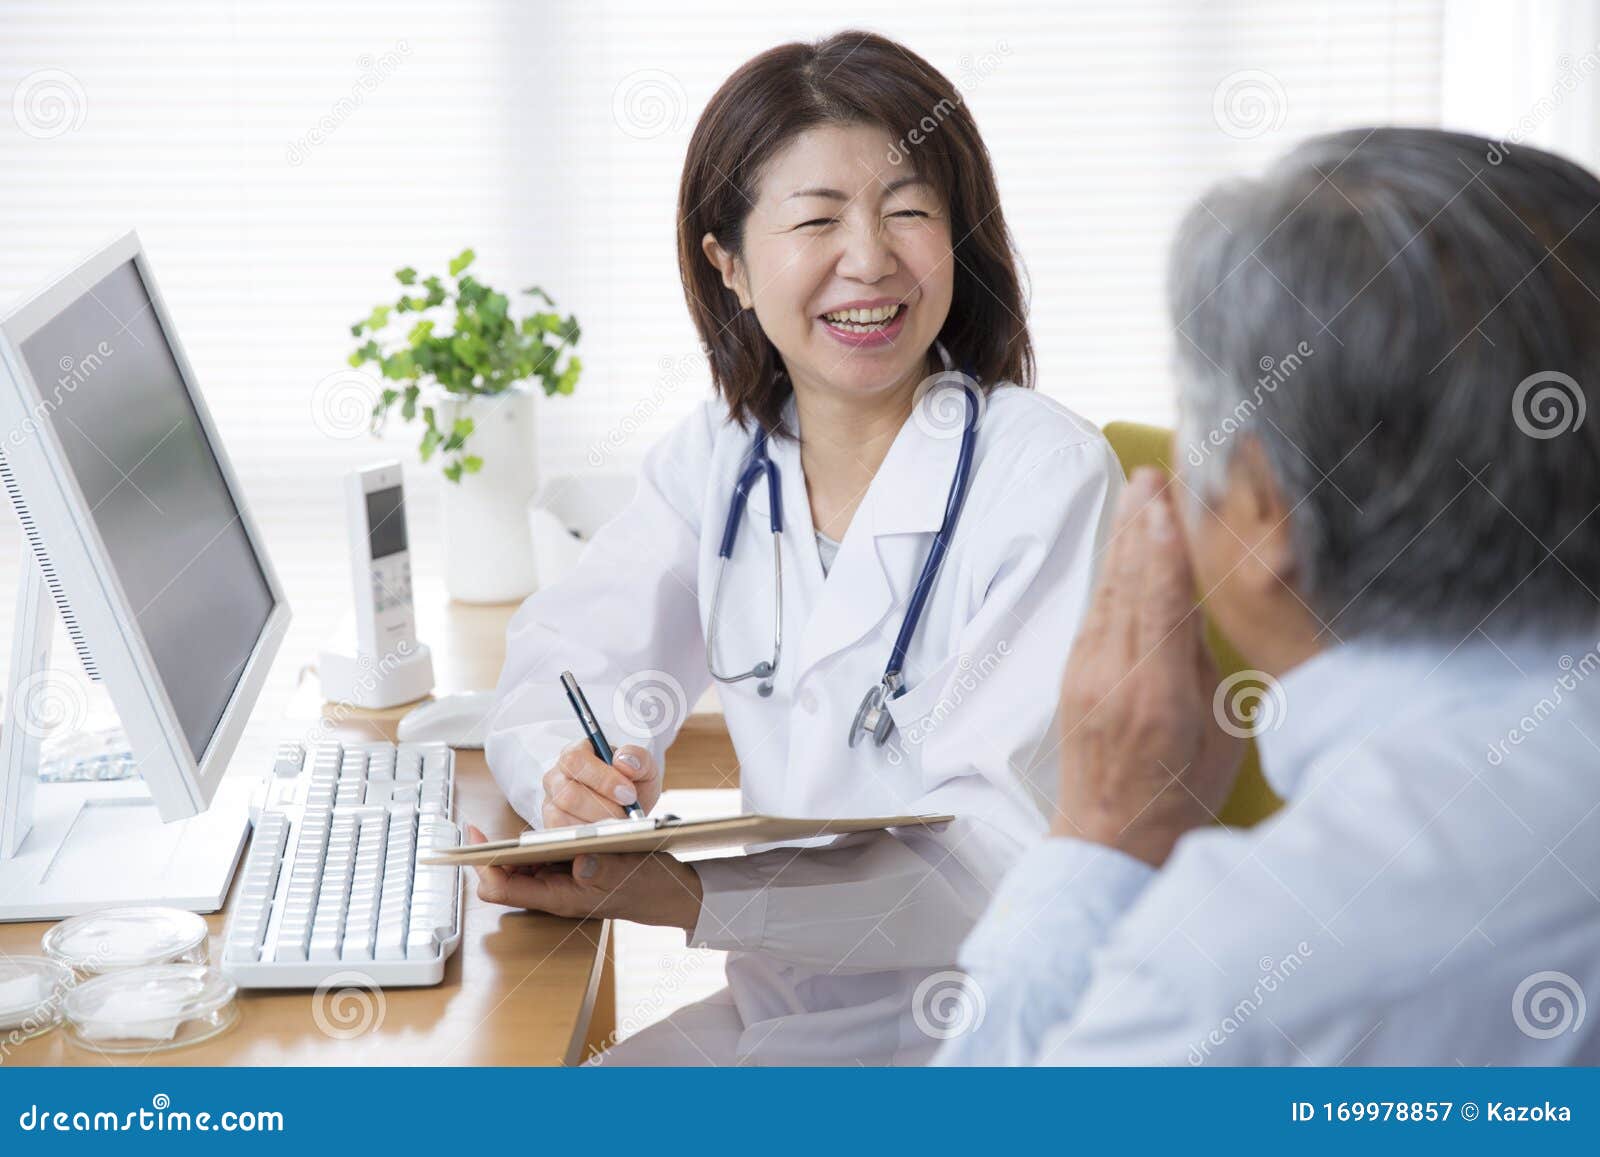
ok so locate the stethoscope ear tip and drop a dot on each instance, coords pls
(764, 690)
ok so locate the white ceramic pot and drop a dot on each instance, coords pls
(488, 550)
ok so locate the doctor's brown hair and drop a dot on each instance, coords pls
(851, 78)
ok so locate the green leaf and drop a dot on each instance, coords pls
(408, 410)
(406, 276)
(430, 443)
(495, 306)
(472, 463)
(535, 291)
(568, 380)
(400, 366)
(355, 330)
(463, 428)
(465, 259)
(419, 332)
(453, 472)
(379, 318)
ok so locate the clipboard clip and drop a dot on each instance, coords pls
(543, 837)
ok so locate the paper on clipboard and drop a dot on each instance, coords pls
(665, 834)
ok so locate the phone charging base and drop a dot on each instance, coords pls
(376, 681)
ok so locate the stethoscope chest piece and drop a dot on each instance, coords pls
(872, 717)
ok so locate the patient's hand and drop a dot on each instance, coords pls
(1143, 760)
(581, 788)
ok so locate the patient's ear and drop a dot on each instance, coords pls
(729, 265)
(1255, 509)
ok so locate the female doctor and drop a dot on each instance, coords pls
(851, 276)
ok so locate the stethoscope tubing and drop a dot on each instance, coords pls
(760, 463)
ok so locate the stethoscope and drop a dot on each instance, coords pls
(872, 717)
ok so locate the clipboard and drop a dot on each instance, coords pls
(665, 834)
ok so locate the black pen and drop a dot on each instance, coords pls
(591, 728)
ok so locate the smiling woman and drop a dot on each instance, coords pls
(839, 283)
(933, 206)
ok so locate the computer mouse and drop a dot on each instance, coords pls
(455, 720)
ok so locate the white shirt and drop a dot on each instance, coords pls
(1429, 895)
(829, 944)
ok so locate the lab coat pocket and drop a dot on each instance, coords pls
(921, 711)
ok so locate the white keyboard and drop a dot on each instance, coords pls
(331, 883)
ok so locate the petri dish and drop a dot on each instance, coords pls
(150, 1008)
(118, 938)
(32, 990)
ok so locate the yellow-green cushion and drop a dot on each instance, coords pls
(1252, 800)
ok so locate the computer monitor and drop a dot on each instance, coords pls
(137, 524)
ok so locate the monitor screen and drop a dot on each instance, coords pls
(386, 522)
(115, 398)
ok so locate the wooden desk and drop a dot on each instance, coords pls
(523, 988)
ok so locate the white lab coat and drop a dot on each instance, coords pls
(829, 944)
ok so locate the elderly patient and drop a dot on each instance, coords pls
(1387, 496)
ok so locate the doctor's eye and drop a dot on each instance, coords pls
(910, 213)
(816, 221)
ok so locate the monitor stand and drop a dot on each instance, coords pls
(67, 848)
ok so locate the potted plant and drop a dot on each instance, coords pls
(472, 389)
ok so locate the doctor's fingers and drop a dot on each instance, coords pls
(580, 765)
(637, 763)
(578, 800)
(554, 817)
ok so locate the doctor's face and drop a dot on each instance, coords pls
(846, 261)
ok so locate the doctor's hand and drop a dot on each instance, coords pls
(581, 789)
(1143, 759)
(647, 889)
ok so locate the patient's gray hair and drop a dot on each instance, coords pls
(1412, 334)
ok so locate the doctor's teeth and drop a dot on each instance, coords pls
(868, 317)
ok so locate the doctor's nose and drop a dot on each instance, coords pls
(866, 255)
